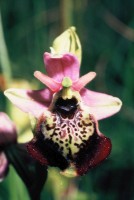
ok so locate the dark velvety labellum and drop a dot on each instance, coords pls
(45, 152)
(94, 153)
(69, 136)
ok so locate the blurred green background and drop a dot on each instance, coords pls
(106, 31)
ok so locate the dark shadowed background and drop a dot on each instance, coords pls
(106, 31)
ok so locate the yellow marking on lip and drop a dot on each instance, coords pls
(76, 133)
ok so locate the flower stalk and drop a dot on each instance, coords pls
(4, 58)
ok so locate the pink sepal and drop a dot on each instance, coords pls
(60, 66)
(34, 102)
(99, 104)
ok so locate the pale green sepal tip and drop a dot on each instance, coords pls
(67, 42)
(67, 82)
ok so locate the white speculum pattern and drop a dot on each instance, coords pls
(70, 135)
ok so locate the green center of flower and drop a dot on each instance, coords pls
(66, 92)
(66, 82)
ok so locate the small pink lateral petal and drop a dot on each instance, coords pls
(99, 104)
(60, 66)
(49, 82)
(31, 101)
(84, 80)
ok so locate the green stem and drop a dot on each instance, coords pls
(66, 12)
(4, 58)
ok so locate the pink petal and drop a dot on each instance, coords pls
(82, 81)
(49, 82)
(99, 104)
(3, 166)
(58, 67)
(31, 101)
(8, 133)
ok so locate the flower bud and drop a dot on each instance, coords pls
(3, 166)
(8, 132)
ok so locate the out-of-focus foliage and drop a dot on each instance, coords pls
(106, 31)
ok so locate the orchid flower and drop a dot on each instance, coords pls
(66, 134)
(8, 135)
